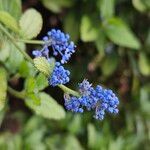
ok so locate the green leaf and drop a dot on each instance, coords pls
(35, 98)
(117, 144)
(31, 23)
(9, 21)
(71, 22)
(4, 50)
(33, 124)
(144, 99)
(101, 43)
(92, 136)
(88, 31)
(75, 125)
(3, 88)
(13, 7)
(109, 65)
(48, 108)
(107, 8)
(30, 85)
(56, 5)
(72, 143)
(34, 139)
(41, 81)
(44, 66)
(15, 58)
(26, 69)
(121, 34)
(14, 142)
(139, 5)
(144, 64)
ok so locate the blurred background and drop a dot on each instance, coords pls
(113, 49)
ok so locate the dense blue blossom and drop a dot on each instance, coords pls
(59, 75)
(84, 87)
(73, 103)
(98, 99)
(60, 44)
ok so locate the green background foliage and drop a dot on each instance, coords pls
(113, 49)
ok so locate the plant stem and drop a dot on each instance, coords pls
(68, 90)
(31, 41)
(15, 44)
(15, 93)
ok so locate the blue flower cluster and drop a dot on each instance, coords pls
(60, 44)
(59, 75)
(99, 99)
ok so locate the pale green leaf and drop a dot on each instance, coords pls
(48, 108)
(41, 81)
(144, 99)
(3, 88)
(26, 69)
(92, 136)
(56, 5)
(13, 7)
(139, 5)
(30, 85)
(44, 66)
(35, 98)
(15, 58)
(116, 144)
(4, 50)
(144, 64)
(107, 8)
(72, 143)
(87, 30)
(75, 125)
(14, 142)
(121, 34)
(31, 23)
(9, 21)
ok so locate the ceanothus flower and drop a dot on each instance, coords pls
(73, 103)
(60, 44)
(98, 99)
(59, 75)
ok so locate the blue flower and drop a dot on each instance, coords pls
(98, 99)
(73, 103)
(84, 87)
(59, 75)
(60, 44)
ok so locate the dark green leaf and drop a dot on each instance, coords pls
(121, 34)
(71, 22)
(109, 65)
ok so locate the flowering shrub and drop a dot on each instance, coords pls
(59, 60)
(99, 99)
